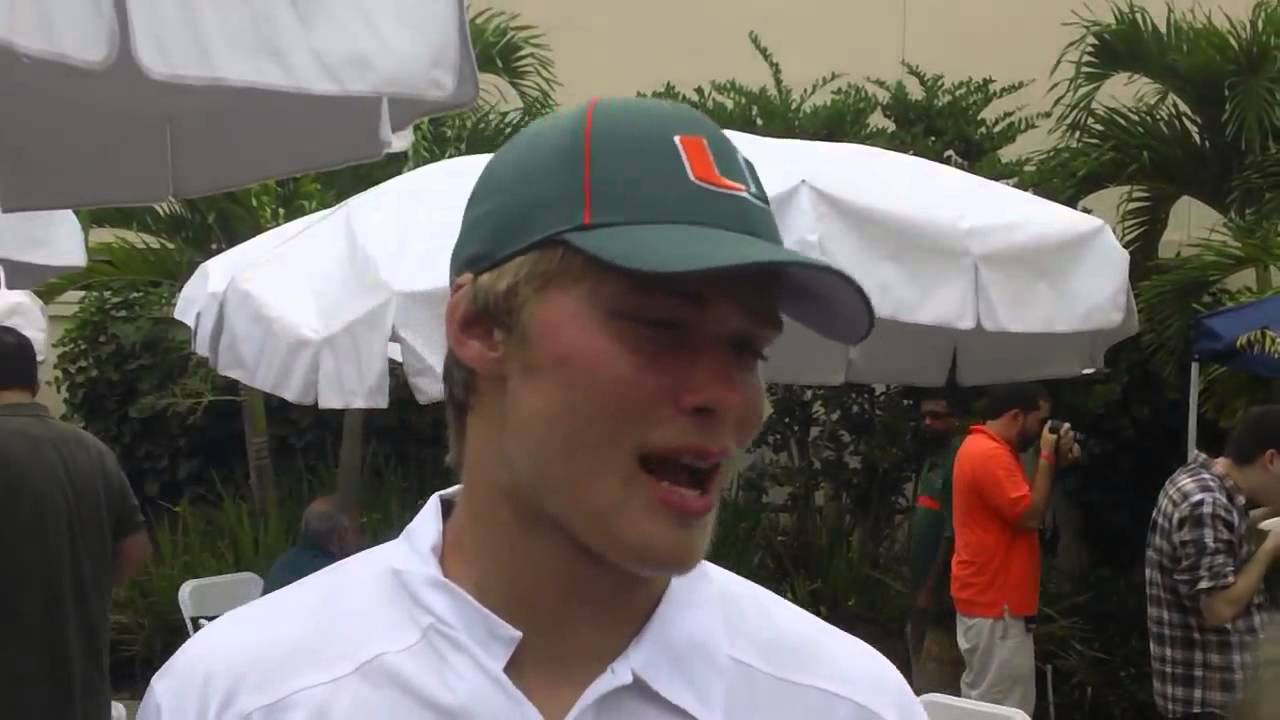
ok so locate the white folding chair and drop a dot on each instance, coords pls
(203, 599)
(947, 707)
(118, 712)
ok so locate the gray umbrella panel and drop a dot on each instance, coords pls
(74, 136)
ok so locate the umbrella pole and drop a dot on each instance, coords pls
(1193, 408)
(350, 472)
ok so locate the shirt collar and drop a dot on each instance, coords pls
(1205, 463)
(680, 653)
(984, 430)
(439, 597)
(25, 409)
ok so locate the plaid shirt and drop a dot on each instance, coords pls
(1197, 540)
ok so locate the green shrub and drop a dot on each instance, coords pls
(214, 531)
(127, 375)
(119, 352)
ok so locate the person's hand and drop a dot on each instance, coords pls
(1072, 453)
(1057, 446)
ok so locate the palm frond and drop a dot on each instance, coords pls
(516, 53)
(1264, 341)
(1253, 91)
(134, 260)
(483, 130)
(1181, 58)
(1182, 287)
(1256, 187)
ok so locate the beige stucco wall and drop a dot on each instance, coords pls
(59, 313)
(618, 48)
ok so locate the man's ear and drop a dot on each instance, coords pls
(473, 338)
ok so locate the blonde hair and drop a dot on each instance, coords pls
(501, 296)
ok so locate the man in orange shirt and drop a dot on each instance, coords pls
(995, 569)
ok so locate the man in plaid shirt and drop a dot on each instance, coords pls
(1203, 576)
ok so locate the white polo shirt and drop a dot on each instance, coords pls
(384, 635)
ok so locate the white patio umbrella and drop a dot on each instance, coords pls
(1015, 286)
(119, 102)
(37, 246)
(306, 311)
(23, 311)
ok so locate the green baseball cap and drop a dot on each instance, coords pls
(647, 186)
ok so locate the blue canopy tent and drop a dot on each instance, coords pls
(1213, 339)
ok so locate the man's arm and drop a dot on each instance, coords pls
(1041, 486)
(132, 547)
(1054, 448)
(1261, 514)
(1222, 606)
(928, 592)
(131, 554)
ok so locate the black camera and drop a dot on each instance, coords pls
(1055, 427)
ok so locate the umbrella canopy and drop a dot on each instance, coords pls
(306, 310)
(37, 246)
(23, 311)
(120, 102)
(1214, 336)
(1012, 286)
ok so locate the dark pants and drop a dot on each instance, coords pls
(936, 663)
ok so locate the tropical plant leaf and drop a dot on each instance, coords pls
(1261, 342)
(518, 54)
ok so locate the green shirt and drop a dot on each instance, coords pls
(931, 519)
(67, 504)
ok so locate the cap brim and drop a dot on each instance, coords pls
(814, 294)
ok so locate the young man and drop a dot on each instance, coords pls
(936, 664)
(617, 279)
(997, 514)
(1204, 578)
(73, 532)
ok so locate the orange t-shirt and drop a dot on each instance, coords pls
(996, 563)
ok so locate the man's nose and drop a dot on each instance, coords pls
(713, 381)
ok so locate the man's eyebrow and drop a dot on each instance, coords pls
(758, 311)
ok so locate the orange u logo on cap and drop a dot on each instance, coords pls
(702, 169)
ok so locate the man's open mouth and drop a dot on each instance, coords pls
(684, 474)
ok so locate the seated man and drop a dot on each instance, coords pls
(328, 535)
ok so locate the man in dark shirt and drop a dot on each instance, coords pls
(936, 664)
(328, 535)
(1204, 576)
(72, 532)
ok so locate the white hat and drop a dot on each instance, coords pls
(23, 311)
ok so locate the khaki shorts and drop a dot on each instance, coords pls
(999, 661)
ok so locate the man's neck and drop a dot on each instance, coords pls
(16, 397)
(1001, 429)
(576, 612)
(1231, 473)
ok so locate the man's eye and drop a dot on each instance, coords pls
(659, 324)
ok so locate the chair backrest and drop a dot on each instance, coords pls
(947, 707)
(209, 597)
